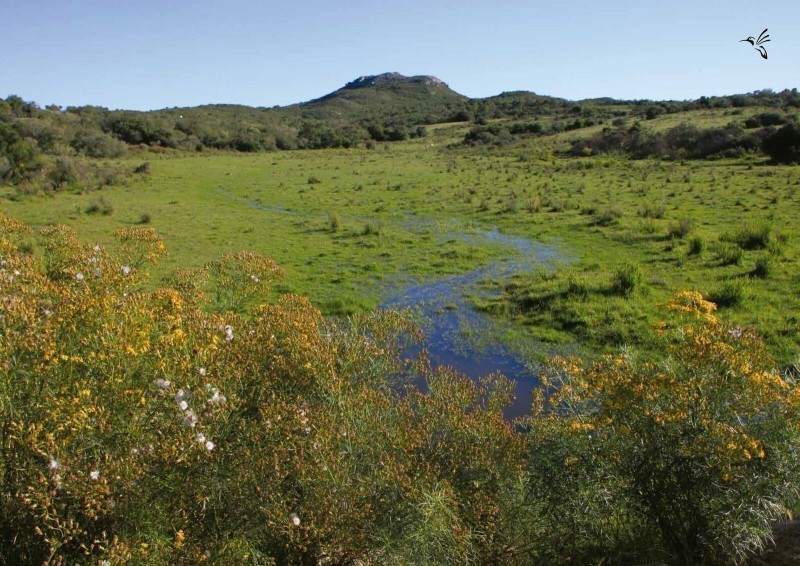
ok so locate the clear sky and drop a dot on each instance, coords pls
(154, 54)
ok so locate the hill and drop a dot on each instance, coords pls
(388, 98)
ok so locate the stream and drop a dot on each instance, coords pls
(456, 333)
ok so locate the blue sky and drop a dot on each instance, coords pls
(146, 55)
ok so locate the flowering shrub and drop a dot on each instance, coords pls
(161, 426)
(698, 450)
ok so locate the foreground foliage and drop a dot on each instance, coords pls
(695, 450)
(199, 424)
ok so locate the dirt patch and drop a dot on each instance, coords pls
(786, 551)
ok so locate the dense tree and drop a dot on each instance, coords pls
(783, 146)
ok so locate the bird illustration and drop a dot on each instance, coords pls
(757, 43)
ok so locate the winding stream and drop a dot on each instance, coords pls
(456, 333)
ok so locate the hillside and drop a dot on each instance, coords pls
(387, 98)
(37, 145)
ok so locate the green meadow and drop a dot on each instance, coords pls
(349, 224)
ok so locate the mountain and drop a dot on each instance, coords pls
(387, 98)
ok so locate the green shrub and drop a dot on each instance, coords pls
(696, 245)
(607, 217)
(681, 229)
(684, 461)
(763, 268)
(731, 293)
(100, 206)
(626, 279)
(144, 169)
(334, 222)
(95, 143)
(371, 229)
(576, 287)
(753, 236)
(653, 210)
(729, 255)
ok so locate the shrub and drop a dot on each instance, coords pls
(626, 279)
(205, 423)
(753, 236)
(729, 255)
(371, 229)
(783, 146)
(763, 267)
(334, 222)
(681, 229)
(100, 206)
(607, 217)
(653, 210)
(730, 294)
(693, 454)
(64, 172)
(147, 429)
(145, 169)
(94, 143)
(696, 245)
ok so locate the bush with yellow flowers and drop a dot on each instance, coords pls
(201, 423)
(687, 458)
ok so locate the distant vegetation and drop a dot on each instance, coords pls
(44, 147)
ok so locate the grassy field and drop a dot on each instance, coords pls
(349, 224)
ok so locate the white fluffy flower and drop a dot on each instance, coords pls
(201, 371)
(126, 270)
(95, 475)
(295, 520)
(201, 438)
(163, 383)
(210, 445)
(183, 405)
(190, 419)
(79, 276)
(216, 398)
(54, 463)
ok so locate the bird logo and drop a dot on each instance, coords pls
(757, 43)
